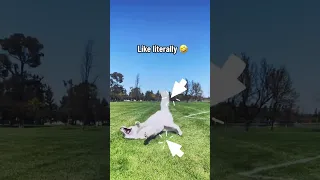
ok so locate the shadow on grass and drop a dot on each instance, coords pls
(147, 141)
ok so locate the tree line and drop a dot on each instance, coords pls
(26, 99)
(269, 94)
(119, 93)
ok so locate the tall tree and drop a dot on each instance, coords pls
(49, 103)
(257, 93)
(265, 85)
(105, 111)
(158, 96)
(86, 70)
(150, 96)
(35, 105)
(72, 102)
(315, 114)
(137, 91)
(117, 91)
(24, 52)
(283, 93)
(66, 102)
(187, 93)
(196, 91)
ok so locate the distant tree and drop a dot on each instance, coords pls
(169, 92)
(257, 93)
(283, 93)
(50, 106)
(101, 110)
(105, 115)
(150, 96)
(86, 70)
(4, 100)
(187, 94)
(81, 100)
(181, 97)
(35, 106)
(196, 91)
(265, 86)
(66, 103)
(49, 101)
(117, 91)
(5, 66)
(158, 96)
(24, 52)
(288, 113)
(136, 91)
(72, 102)
(116, 78)
(315, 114)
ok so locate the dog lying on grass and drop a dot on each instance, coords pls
(154, 125)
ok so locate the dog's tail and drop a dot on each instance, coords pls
(164, 105)
(165, 99)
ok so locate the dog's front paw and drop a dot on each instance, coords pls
(180, 133)
(146, 142)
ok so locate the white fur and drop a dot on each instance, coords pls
(159, 121)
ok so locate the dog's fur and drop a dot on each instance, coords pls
(154, 125)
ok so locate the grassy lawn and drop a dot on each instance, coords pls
(54, 153)
(236, 151)
(130, 159)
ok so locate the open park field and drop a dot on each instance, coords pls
(54, 153)
(286, 153)
(131, 159)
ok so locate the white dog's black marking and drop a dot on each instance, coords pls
(154, 125)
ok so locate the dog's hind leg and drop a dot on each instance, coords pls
(174, 127)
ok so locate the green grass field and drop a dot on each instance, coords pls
(236, 151)
(54, 153)
(131, 159)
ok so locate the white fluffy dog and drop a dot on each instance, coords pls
(154, 125)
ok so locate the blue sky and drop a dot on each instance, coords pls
(163, 23)
(284, 32)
